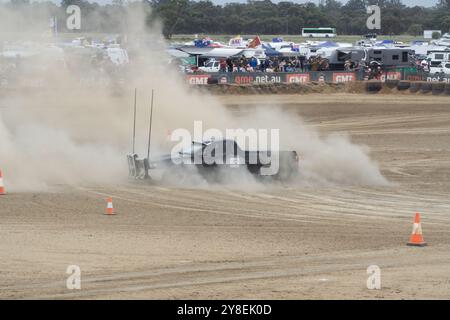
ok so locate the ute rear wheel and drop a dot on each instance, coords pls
(182, 175)
(288, 167)
(176, 175)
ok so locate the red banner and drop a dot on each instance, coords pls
(298, 78)
(391, 75)
(197, 78)
(343, 77)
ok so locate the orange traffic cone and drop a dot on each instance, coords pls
(416, 236)
(109, 207)
(2, 186)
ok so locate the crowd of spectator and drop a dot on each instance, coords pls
(300, 64)
(279, 64)
(270, 64)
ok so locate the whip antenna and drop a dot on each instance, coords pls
(134, 121)
(150, 128)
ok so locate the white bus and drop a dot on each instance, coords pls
(319, 32)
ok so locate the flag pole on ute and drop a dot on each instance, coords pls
(134, 120)
(150, 128)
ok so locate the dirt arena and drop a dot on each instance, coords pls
(285, 242)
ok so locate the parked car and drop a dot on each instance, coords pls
(441, 69)
(211, 66)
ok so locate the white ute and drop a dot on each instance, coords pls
(211, 66)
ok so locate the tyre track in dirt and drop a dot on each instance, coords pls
(307, 241)
(332, 208)
(223, 272)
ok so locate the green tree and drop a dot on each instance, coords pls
(173, 14)
(435, 35)
(252, 17)
(444, 4)
(415, 29)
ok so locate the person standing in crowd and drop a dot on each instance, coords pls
(223, 65)
(289, 67)
(243, 63)
(281, 66)
(237, 64)
(275, 65)
(267, 64)
(253, 63)
(347, 65)
(295, 64)
(262, 65)
(302, 60)
(307, 65)
(230, 65)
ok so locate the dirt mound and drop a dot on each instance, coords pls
(372, 87)
(274, 88)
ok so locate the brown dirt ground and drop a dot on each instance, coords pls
(286, 242)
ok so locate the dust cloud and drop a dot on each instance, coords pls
(70, 131)
(324, 159)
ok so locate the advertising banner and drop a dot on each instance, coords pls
(247, 78)
(298, 78)
(343, 77)
(198, 78)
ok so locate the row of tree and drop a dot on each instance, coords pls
(265, 17)
(253, 17)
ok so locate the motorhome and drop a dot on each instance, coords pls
(399, 57)
(385, 56)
